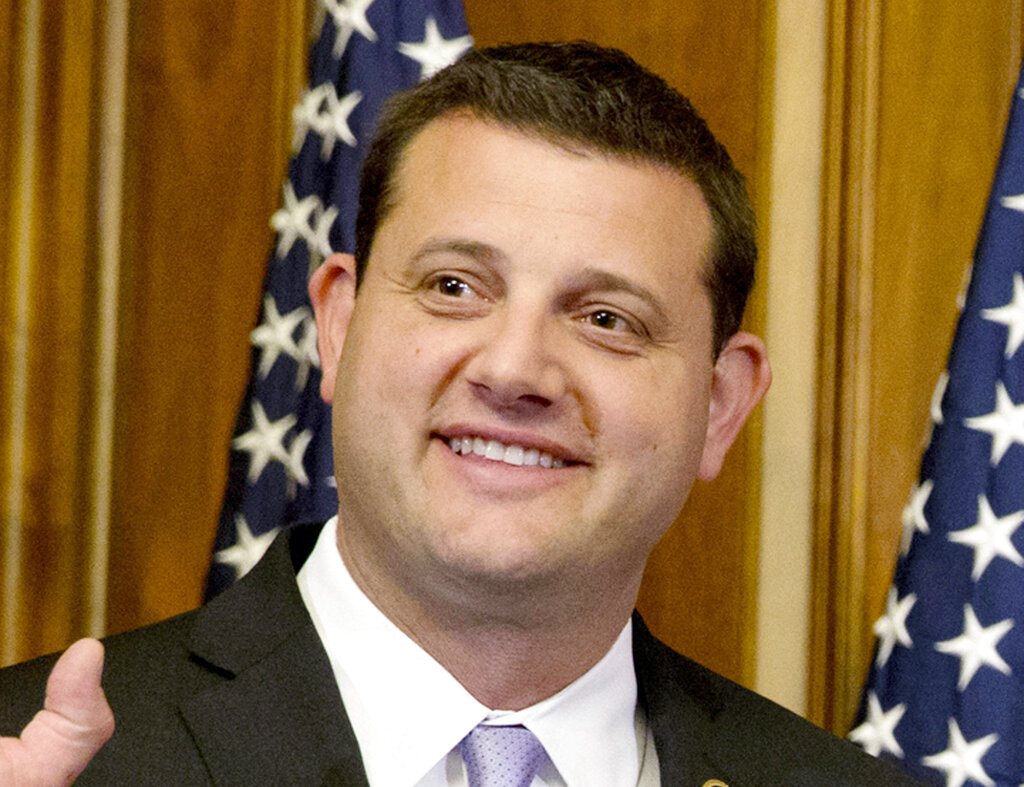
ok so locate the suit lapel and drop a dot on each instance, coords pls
(277, 717)
(680, 709)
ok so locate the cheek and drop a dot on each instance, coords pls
(378, 350)
(663, 420)
(400, 374)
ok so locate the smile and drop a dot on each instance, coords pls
(499, 452)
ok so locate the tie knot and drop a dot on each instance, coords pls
(501, 756)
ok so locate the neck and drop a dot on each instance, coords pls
(510, 644)
(512, 666)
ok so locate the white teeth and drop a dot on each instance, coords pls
(495, 450)
(499, 452)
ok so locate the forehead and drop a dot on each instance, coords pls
(466, 178)
(448, 145)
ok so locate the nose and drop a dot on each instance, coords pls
(515, 369)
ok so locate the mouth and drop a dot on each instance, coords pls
(509, 453)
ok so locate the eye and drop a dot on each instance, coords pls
(608, 320)
(452, 287)
(454, 295)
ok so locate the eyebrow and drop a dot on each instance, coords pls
(595, 279)
(482, 252)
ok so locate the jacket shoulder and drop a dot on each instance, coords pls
(151, 650)
(239, 691)
(743, 737)
(145, 674)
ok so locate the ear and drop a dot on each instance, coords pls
(740, 379)
(332, 291)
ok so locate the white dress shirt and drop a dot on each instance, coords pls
(409, 714)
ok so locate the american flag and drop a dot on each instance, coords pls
(945, 696)
(281, 469)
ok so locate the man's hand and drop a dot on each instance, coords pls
(75, 722)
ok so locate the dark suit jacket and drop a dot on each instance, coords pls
(241, 692)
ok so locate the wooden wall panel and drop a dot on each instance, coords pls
(59, 376)
(211, 86)
(9, 49)
(44, 540)
(699, 590)
(10, 102)
(919, 94)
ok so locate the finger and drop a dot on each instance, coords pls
(73, 690)
(76, 720)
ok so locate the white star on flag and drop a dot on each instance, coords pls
(292, 221)
(937, 396)
(976, 646)
(434, 52)
(332, 123)
(1005, 423)
(990, 537)
(877, 733)
(321, 240)
(247, 549)
(274, 335)
(349, 16)
(891, 628)
(914, 520)
(962, 760)
(264, 441)
(294, 459)
(935, 407)
(965, 286)
(308, 356)
(1013, 202)
(306, 114)
(1011, 315)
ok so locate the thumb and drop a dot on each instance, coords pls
(75, 722)
(73, 691)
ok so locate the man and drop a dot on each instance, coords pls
(552, 259)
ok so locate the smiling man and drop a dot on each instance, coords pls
(532, 355)
(525, 392)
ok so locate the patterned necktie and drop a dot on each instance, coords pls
(501, 756)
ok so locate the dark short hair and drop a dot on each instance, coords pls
(579, 95)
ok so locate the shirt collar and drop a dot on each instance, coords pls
(394, 691)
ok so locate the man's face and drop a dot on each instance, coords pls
(525, 383)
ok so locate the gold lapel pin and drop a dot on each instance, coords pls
(714, 783)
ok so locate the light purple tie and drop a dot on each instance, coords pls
(501, 756)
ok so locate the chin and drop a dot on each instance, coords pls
(497, 562)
